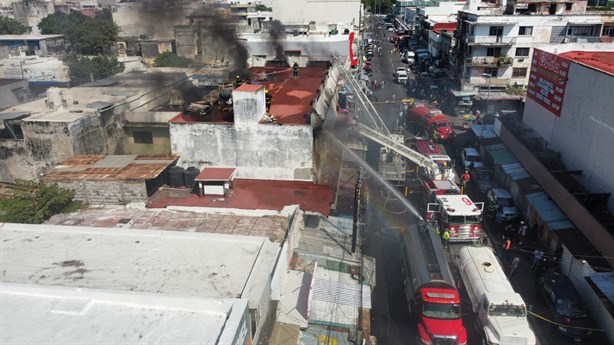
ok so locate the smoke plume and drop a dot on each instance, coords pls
(277, 34)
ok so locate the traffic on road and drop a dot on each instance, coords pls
(408, 90)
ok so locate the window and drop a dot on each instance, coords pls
(525, 31)
(580, 30)
(496, 31)
(522, 51)
(496, 52)
(492, 72)
(608, 31)
(568, 6)
(142, 137)
(519, 72)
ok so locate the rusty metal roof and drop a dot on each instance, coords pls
(111, 167)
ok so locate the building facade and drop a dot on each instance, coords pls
(494, 45)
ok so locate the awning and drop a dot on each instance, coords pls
(497, 96)
(14, 115)
(457, 93)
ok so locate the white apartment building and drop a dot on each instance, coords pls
(495, 45)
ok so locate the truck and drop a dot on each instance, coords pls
(501, 311)
(458, 214)
(430, 287)
(432, 120)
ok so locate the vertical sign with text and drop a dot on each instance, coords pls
(547, 81)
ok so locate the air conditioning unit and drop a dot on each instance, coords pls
(521, 60)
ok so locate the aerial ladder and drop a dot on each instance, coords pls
(379, 132)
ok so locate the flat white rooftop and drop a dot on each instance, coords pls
(152, 261)
(59, 315)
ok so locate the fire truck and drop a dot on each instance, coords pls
(430, 119)
(430, 288)
(458, 214)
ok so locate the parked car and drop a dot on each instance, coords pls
(482, 177)
(565, 304)
(503, 201)
(470, 155)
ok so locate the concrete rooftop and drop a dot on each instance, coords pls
(163, 262)
(54, 315)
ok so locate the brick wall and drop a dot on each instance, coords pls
(107, 192)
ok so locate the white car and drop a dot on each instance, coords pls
(402, 77)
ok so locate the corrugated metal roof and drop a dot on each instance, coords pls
(560, 225)
(339, 293)
(605, 284)
(500, 154)
(516, 171)
(484, 131)
(546, 208)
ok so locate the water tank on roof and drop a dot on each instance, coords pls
(175, 178)
(189, 175)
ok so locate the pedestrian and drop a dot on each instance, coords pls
(538, 255)
(522, 232)
(382, 83)
(445, 238)
(507, 244)
(295, 70)
(394, 97)
(514, 265)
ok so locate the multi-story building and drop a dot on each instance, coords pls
(494, 45)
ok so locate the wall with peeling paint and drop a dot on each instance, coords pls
(13, 160)
(258, 151)
(107, 192)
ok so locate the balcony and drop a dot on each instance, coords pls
(488, 61)
(490, 40)
(582, 39)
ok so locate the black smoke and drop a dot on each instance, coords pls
(225, 35)
(277, 34)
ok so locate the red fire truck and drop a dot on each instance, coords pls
(430, 119)
(458, 214)
(430, 288)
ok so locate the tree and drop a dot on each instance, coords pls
(34, 202)
(171, 60)
(379, 6)
(9, 26)
(83, 68)
(85, 35)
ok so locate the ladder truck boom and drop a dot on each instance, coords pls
(420, 160)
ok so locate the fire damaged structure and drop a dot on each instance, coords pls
(231, 127)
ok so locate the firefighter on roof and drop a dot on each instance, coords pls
(268, 98)
(295, 71)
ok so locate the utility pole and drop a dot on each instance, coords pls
(357, 209)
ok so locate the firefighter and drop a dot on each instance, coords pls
(295, 71)
(464, 180)
(445, 238)
(411, 102)
(268, 98)
(238, 81)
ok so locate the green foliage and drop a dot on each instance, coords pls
(9, 26)
(515, 90)
(171, 60)
(83, 68)
(34, 202)
(263, 8)
(379, 6)
(85, 35)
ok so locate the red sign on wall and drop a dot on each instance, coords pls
(547, 81)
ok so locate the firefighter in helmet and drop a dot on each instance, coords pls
(268, 98)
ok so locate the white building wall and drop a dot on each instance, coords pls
(258, 151)
(584, 134)
(541, 37)
(321, 12)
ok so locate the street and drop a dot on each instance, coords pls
(391, 322)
